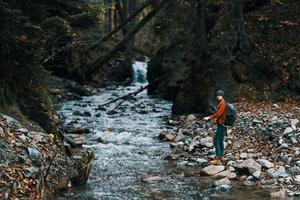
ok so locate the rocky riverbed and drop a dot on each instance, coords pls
(262, 148)
(33, 164)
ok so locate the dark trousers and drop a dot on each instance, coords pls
(219, 140)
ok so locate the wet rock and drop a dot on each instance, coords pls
(170, 157)
(179, 137)
(152, 179)
(294, 122)
(297, 179)
(256, 121)
(3, 144)
(212, 169)
(22, 159)
(101, 140)
(77, 130)
(32, 172)
(191, 117)
(265, 163)
(243, 155)
(294, 170)
(208, 141)
(256, 174)
(22, 138)
(166, 136)
(249, 166)
(77, 113)
(225, 174)
(23, 130)
(34, 154)
(201, 161)
(223, 181)
(223, 188)
(231, 175)
(288, 130)
(280, 173)
(182, 163)
(279, 195)
(87, 114)
(98, 115)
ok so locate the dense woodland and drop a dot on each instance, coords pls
(248, 48)
(240, 46)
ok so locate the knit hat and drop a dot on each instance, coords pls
(220, 93)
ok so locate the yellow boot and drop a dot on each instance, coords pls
(215, 161)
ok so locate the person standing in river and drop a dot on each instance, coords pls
(220, 117)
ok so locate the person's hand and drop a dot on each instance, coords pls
(206, 118)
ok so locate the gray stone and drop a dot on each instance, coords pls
(213, 169)
(179, 137)
(222, 174)
(22, 138)
(265, 163)
(152, 179)
(182, 163)
(223, 188)
(280, 173)
(279, 195)
(3, 144)
(34, 154)
(201, 161)
(256, 121)
(294, 140)
(32, 172)
(288, 130)
(297, 179)
(206, 141)
(223, 181)
(256, 174)
(191, 117)
(251, 165)
(23, 130)
(232, 175)
(22, 159)
(243, 155)
(294, 122)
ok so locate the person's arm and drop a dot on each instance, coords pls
(220, 111)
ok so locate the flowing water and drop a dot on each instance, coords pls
(133, 151)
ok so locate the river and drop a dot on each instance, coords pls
(133, 154)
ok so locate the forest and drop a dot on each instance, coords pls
(122, 99)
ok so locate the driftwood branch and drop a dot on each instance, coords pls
(132, 94)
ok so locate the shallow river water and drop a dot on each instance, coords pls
(134, 153)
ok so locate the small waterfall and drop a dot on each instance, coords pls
(139, 74)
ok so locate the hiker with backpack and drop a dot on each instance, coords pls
(225, 115)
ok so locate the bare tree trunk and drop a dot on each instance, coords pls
(121, 25)
(242, 39)
(131, 9)
(201, 24)
(110, 20)
(102, 60)
(107, 22)
(122, 17)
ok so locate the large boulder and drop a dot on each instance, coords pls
(212, 169)
(249, 166)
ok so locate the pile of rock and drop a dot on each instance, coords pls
(261, 149)
(29, 157)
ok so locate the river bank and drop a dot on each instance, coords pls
(262, 149)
